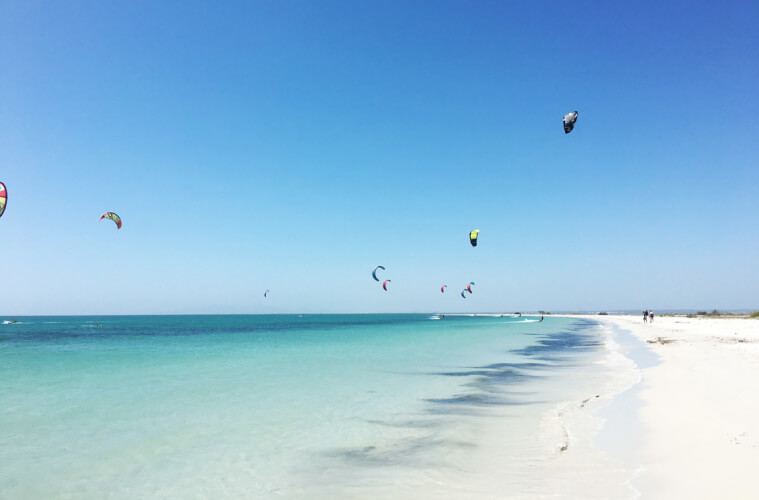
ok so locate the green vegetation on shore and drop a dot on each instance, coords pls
(713, 313)
(716, 314)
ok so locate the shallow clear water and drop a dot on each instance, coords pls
(267, 406)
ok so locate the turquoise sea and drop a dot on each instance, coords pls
(287, 406)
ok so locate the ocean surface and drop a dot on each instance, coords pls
(285, 406)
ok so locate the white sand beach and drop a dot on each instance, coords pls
(674, 414)
(694, 427)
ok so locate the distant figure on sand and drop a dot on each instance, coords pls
(645, 315)
(651, 316)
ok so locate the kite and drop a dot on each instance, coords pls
(569, 121)
(266, 293)
(462, 294)
(384, 284)
(374, 273)
(3, 198)
(442, 288)
(112, 216)
(473, 237)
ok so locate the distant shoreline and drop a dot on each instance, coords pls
(736, 313)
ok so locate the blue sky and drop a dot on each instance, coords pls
(294, 146)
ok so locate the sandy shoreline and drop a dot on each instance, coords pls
(672, 413)
(690, 427)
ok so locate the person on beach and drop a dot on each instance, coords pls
(650, 316)
(645, 315)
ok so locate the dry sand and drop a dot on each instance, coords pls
(698, 407)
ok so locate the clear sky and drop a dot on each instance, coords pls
(295, 145)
